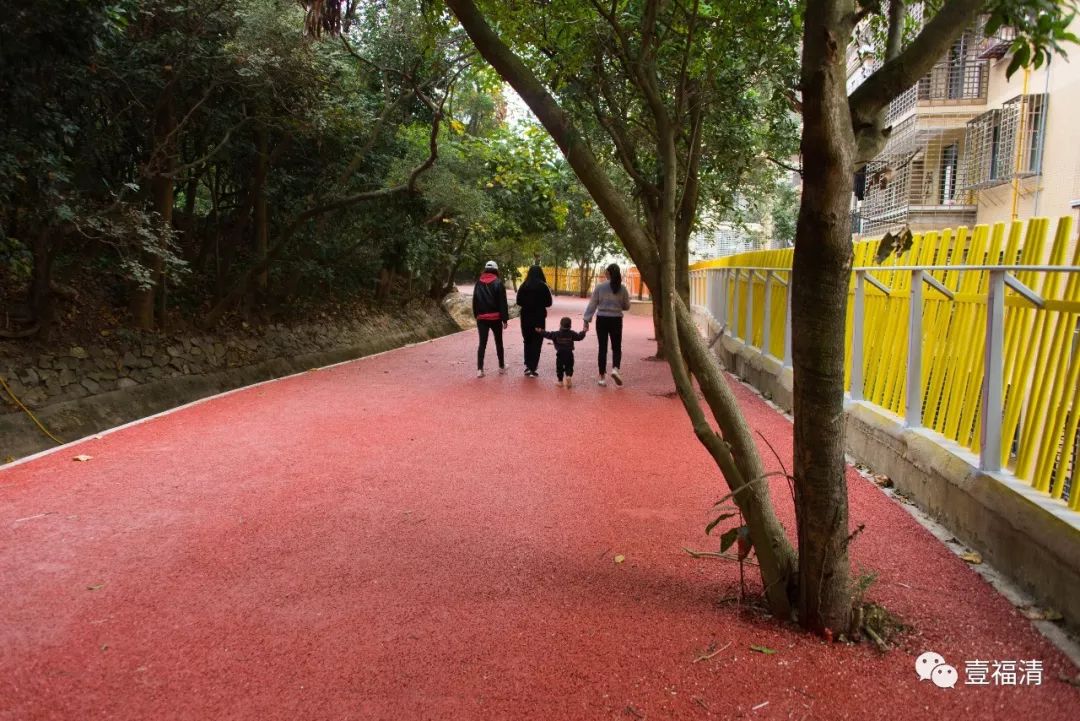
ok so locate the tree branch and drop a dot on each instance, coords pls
(895, 37)
(358, 159)
(904, 70)
(688, 203)
(612, 123)
(784, 165)
(180, 170)
(681, 89)
(558, 123)
(865, 10)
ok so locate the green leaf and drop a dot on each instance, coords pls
(729, 537)
(721, 517)
(763, 649)
(1020, 58)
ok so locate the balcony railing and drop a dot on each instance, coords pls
(995, 46)
(955, 82)
(963, 80)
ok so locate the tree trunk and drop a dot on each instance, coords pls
(742, 468)
(682, 264)
(658, 325)
(40, 296)
(735, 453)
(210, 233)
(820, 276)
(386, 280)
(262, 225)
(161, 188)
(191, 247)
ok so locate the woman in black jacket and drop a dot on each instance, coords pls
(534, 297)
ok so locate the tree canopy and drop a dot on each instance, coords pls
(187, 161)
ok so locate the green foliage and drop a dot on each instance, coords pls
(260, 114)
(15, 257)
(1041, 27)
(737, 63)
(784, 213)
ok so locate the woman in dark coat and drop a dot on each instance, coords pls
(534, 297)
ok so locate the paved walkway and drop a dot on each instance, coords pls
(395, 539)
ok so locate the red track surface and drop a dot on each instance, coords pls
(396, 539)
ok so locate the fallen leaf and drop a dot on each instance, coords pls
(972, 557)
(763, 649)
(1034, 613)
(882, 480)
(620, 558)
(9, 459)
(95, 587)
(82, 458)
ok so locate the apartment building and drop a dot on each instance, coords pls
(970, 146)
(715, 240)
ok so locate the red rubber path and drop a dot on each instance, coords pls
(395, 539)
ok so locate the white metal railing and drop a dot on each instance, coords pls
(712, 292)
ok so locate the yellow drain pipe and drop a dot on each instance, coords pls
(1019, 146)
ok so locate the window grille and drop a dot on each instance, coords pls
(1005, 143)
(960, 77)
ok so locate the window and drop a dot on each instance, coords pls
(1005, 143)
(950, 158)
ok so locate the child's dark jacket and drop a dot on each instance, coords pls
(564, 340)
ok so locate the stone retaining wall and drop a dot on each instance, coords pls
(80, 390)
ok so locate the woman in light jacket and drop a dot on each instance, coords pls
(608, 302)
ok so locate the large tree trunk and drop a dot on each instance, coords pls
(820, 276)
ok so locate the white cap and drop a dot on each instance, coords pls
(491, 265)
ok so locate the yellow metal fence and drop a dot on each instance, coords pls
(1039, 353)
(568, 280)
